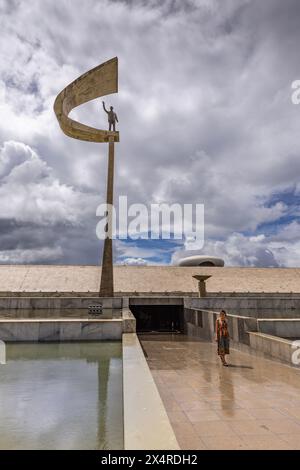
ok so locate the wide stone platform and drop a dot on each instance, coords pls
(253, 404)
(147, 279)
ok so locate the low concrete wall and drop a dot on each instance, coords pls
(272, 346)
(246, 334)
(258, 307)
(146, 423)
(284, 328)
(36, 303)
(60, 330)
(201, 323)
(275, 295)
(67, 329)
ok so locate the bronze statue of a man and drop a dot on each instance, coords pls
(112, 117)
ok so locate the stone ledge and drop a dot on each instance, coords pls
(144, 412)
(43, 302)
(129, 321)
(60, 330)
(272, 346)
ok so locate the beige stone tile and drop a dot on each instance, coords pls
(159, 381)
(266, 413)
(295, 402)
(292, 440)
(166, 396)
(254, 404)
(281, 426)
(191, 442)
(213, 428)
(292, 412)
(278, 403)
(224, 443)
(184, 395)
(215, 398)
(171, 405)
(202, 415)
(194, 405)
(234, 414)
(169, 374)
(195, 383)
(270, 442)
(248, 427)
(207, 391)
(242, 395)
(177, 416)
(287, 397)
(183, 429)
(164, 389)
(224, 405)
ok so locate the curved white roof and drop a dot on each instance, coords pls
(201, 260)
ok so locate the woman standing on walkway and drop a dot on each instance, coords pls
(222, 336)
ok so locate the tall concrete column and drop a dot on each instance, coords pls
(107, 277)
(100, 81)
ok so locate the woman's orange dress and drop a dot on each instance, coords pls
(222, 337)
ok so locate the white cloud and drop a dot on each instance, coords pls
(126, 250)
(204, 117)
(280, 250)
(43, 255)
(135, 262)
(29, 192)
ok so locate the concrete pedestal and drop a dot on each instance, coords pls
(107, 278)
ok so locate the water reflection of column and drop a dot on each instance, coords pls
(110, 395)
(103, 377)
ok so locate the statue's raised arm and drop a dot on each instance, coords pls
(104, 107)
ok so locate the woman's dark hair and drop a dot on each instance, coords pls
(223, 311)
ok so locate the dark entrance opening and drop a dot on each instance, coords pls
(158, 318)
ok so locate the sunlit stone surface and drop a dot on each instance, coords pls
(253, 404)
(147, 279)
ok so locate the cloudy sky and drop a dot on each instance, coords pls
(205, 115)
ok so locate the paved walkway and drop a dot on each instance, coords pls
(254, 404)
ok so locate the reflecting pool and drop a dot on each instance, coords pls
(61, 396)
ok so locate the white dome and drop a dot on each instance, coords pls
(201, 260)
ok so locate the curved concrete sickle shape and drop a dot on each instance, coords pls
(100, 81)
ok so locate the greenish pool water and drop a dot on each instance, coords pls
(62, 396)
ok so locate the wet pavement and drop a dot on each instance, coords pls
(253, 404)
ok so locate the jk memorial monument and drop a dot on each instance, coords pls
(100, 81)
